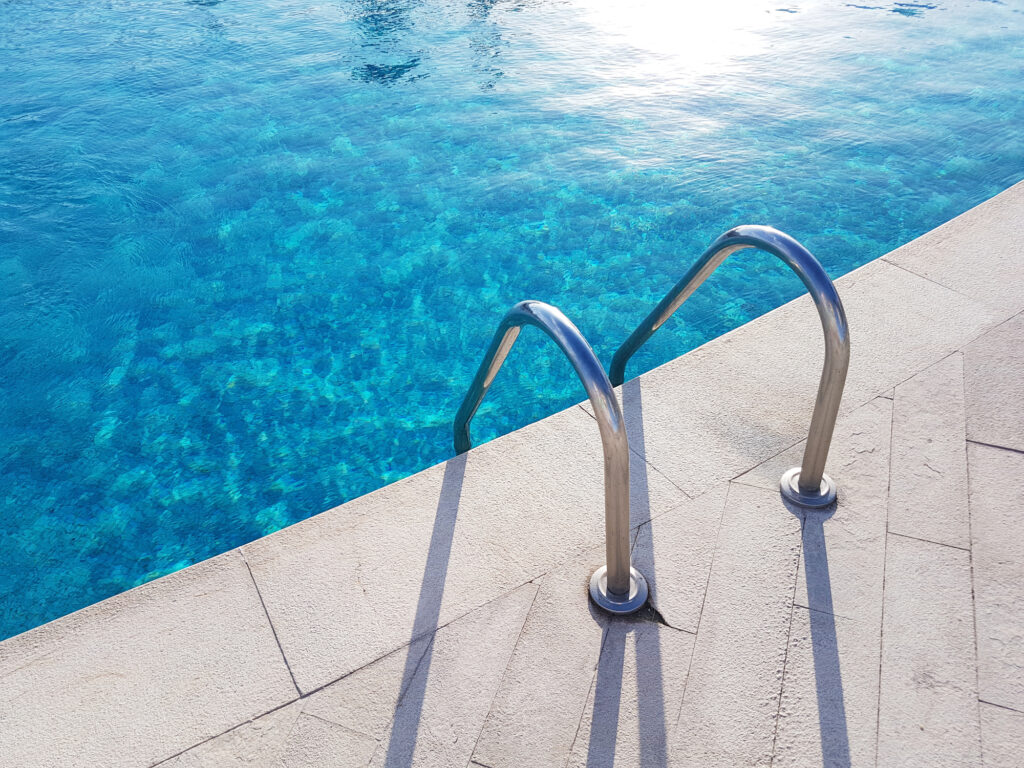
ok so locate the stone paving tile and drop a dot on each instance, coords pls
(730, 405)
(676, 549)
(365, 701)
(444, 705)
(537, 711)
(843, 565)
(316, 743)
(635, 697)
(437, 545)
(255, 744)
(945, 254)
(928, 705)
(994, 386)
(997, 530)
(928, 471)
(193, 650)
(829, 710)
(731, 703)
(1002, 737)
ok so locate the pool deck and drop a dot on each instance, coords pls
(443, 620)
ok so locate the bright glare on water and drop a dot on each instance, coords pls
(251, 251)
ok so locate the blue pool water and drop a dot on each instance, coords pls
(251, 251)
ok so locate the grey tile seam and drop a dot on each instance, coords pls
(270, 623)
(590, 692)
(932, 281)
(789, 637)
(336, 725)
(645, 460)
(999, 706)
(970, 563)
(504, 672)
(254, 718)
(824, 613)
(925, 541)
(885, 557)
(993, 445)
(703, 600)
(427, 633)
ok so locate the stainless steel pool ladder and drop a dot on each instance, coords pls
(807, 485)
(616, 587)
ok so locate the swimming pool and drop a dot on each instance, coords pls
(252, 251)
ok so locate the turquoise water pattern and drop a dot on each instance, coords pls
(252, 251)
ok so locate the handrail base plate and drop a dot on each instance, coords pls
(611, 602)
(789, 486)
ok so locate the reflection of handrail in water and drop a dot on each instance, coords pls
(616, 587)
(807, 485)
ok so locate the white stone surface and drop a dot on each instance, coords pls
(539, 705)
(997, 528)
(994, 385)
(731, 703)
(316, 743)
(928, 481)
(843, 563)
(928, 707)
(979, 253)
(437, 545)
(142, 676)
(635, 698)
(1002, 737)
(444, 705)
(676, 549)
(829, 712)
(255, 744)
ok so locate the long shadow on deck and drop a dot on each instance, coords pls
(604, 722)
(409, 710)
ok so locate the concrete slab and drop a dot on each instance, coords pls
(997, 530)
(1002, 737)
(635, 698)
(449, 693)
(676, 550)
(539, 705)
(192, 652)
(928, 705)
(829, 712)
(437, 545)
(994, 386)
(928, 481)
(254, 744)
(843, 563)
(315, 743)
(731, 703)
(949, 254)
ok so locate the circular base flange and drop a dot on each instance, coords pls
(790, 487)
(615, 603)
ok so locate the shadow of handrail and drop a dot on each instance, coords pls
(604, 721)
(828, 679)
(409, 709)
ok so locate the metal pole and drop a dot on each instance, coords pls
(807, 485)
(617, 587)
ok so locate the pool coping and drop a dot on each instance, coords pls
(477, 565)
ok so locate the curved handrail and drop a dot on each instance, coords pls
(809, 485)
(623, 590)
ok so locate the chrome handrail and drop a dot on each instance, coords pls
(617, 586)
(807, 485)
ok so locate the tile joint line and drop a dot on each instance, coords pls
(270, 623)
